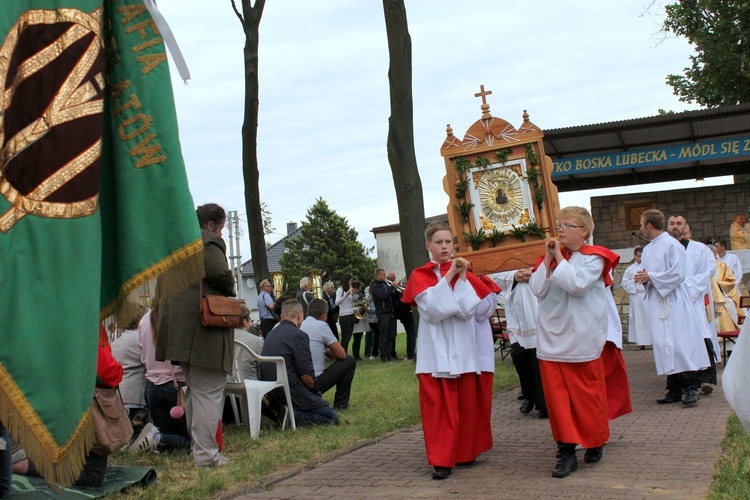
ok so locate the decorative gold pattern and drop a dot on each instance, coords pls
(500, 195)
(524, 219)
(476, 176)
(75, 99)
(487, 224)
(517, 170)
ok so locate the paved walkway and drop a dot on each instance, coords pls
(664, 451)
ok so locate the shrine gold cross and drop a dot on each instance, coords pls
(483, 94)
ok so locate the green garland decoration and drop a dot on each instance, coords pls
(475, 239)
(464, 208)
(495, 237)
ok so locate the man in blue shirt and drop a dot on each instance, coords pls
(266, 305)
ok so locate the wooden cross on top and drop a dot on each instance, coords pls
(483, 93)
(484, 107)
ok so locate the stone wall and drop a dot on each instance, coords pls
(708, 210)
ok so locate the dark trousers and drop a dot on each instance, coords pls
(160, 399)
(411, 333)
(340, 374)
(708, 376)
(317, 416)
(527, 366)
(333, 327)
(93, 471)
(266, 325)
(6, 462)
(682, 382)
(372, 340)
(347, 327)
(387, 328)
(357, 345)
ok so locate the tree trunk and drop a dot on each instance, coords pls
(250, 172)
(401, 154)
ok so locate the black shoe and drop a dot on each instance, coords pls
(593, 455)
(543, 414)
(441, 472)
(384, 360)
(526, 406)
(396, 358)
(670, 398)
(691, 398)
(466, 464)
(566, 464)
(520, 395)
(410, 357)
(341, 407)
(705, 390)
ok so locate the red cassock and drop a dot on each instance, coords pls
(455, 411)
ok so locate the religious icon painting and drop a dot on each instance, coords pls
(501, 196)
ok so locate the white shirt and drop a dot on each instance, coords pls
(483, 333)
(345, 302)
(572, 309)
(446, 342)
(321, 338)
(521, 309)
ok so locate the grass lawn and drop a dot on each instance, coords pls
(732, 477)
(384, 399)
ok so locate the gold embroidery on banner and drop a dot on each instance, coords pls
(75, 99)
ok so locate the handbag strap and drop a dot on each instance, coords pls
(174, 378)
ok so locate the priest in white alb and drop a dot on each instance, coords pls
(638, 322)
(679, 349)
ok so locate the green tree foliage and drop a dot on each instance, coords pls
(326, 241)
(720, 32)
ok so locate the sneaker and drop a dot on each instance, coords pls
(221, 461)
(145, 440)
(373, 358)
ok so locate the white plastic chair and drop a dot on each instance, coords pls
(251, 392)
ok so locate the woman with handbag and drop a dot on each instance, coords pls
(204, 353)
(108, 375)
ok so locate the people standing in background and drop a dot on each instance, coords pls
(346, 296)
(521, 313)
(329, 294)
(737, 235)
(266, 307)
(638, 328)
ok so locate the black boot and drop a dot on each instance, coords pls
(593, 455)
(670, 398)
(566, 461)
(441, 472)
(526, 406)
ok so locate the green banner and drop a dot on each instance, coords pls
(93, 203)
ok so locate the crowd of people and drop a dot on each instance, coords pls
(563, 325)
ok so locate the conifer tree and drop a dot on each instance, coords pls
(326, 241)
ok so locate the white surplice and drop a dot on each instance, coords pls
(573, 319)
(483, 333)
(734, 264)
(639, 331)
(446, 341)
(614, 324)
(521, 309)
(678, 346)
(701, 267)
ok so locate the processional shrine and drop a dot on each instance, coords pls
(503, 204)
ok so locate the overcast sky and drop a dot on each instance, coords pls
(324, 99)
